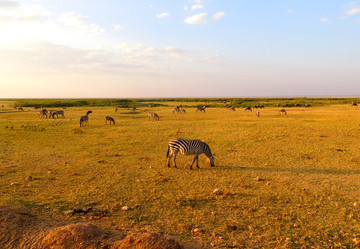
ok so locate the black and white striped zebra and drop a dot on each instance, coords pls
(201, 109)
(188, 147)
(110, 119)
(84, 120)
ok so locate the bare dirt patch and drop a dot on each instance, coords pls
(21, 229)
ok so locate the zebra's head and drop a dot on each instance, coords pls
(211, 161)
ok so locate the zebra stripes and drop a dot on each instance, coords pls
(188, 147)
(84, 120)
(110, 119)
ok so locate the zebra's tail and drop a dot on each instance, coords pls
(167, 153)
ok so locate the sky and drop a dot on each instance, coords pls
(179, 48)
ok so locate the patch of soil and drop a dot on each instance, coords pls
(21, 229)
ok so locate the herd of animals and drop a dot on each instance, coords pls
(185, 146)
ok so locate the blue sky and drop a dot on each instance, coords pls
(191, 48)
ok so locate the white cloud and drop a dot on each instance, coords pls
(15, 12)
(78, 21)
(6, 4)
(353, 11)
(118, 27)
(324, 19)
(141, 54)
(219, 15)
(196, 19)
(289, 11)
(162, 15)
(197, 6)
(185, 7)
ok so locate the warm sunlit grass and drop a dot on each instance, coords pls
(286, 180)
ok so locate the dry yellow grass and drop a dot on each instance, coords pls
(287, 180)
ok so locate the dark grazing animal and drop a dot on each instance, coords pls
(283, 111)
(84, 120)
(20, 109)
(188, 147)
(201, 109)
(43, 113)
(57, 113)
(248, 109)
(110, 119)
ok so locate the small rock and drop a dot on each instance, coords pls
(49, 172)
(68, 212)
(217, 191)
(125, 208)
(356, 241)
(29, 178)
(196, 231)
(13, 183)
(356, 204)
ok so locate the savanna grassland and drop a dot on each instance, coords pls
(287, 181)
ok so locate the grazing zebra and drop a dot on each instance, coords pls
(248, 109)
(20, 109)
(183, 110)
(283, 111)
(232, 109)
(57, 113)
(354, 104)
(116, 110)
(43, 113)
(153, 115)
(89, 112)
(201, 109)
(258, 114)
(188, 147)
(84, 120)
(177, 110)
(110, 119)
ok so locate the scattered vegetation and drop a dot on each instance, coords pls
(280, 180)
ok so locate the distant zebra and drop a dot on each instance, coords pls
(84, 120)
(88, 112)
(231, 108)
(248, 109)
(354, 104)
(153, 115)
(116, 110)
(201, 109)
(283, 111)
(176, 109)
(182, 110)
(258, 114)
(110, 119)
(43, 113)
(57, 113)
(188, 147)
(20, 109)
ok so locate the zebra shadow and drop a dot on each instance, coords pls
(291, 170)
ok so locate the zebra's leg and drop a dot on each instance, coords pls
(196, 157)
(197, 161)
(174, 158)
(168, 159)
